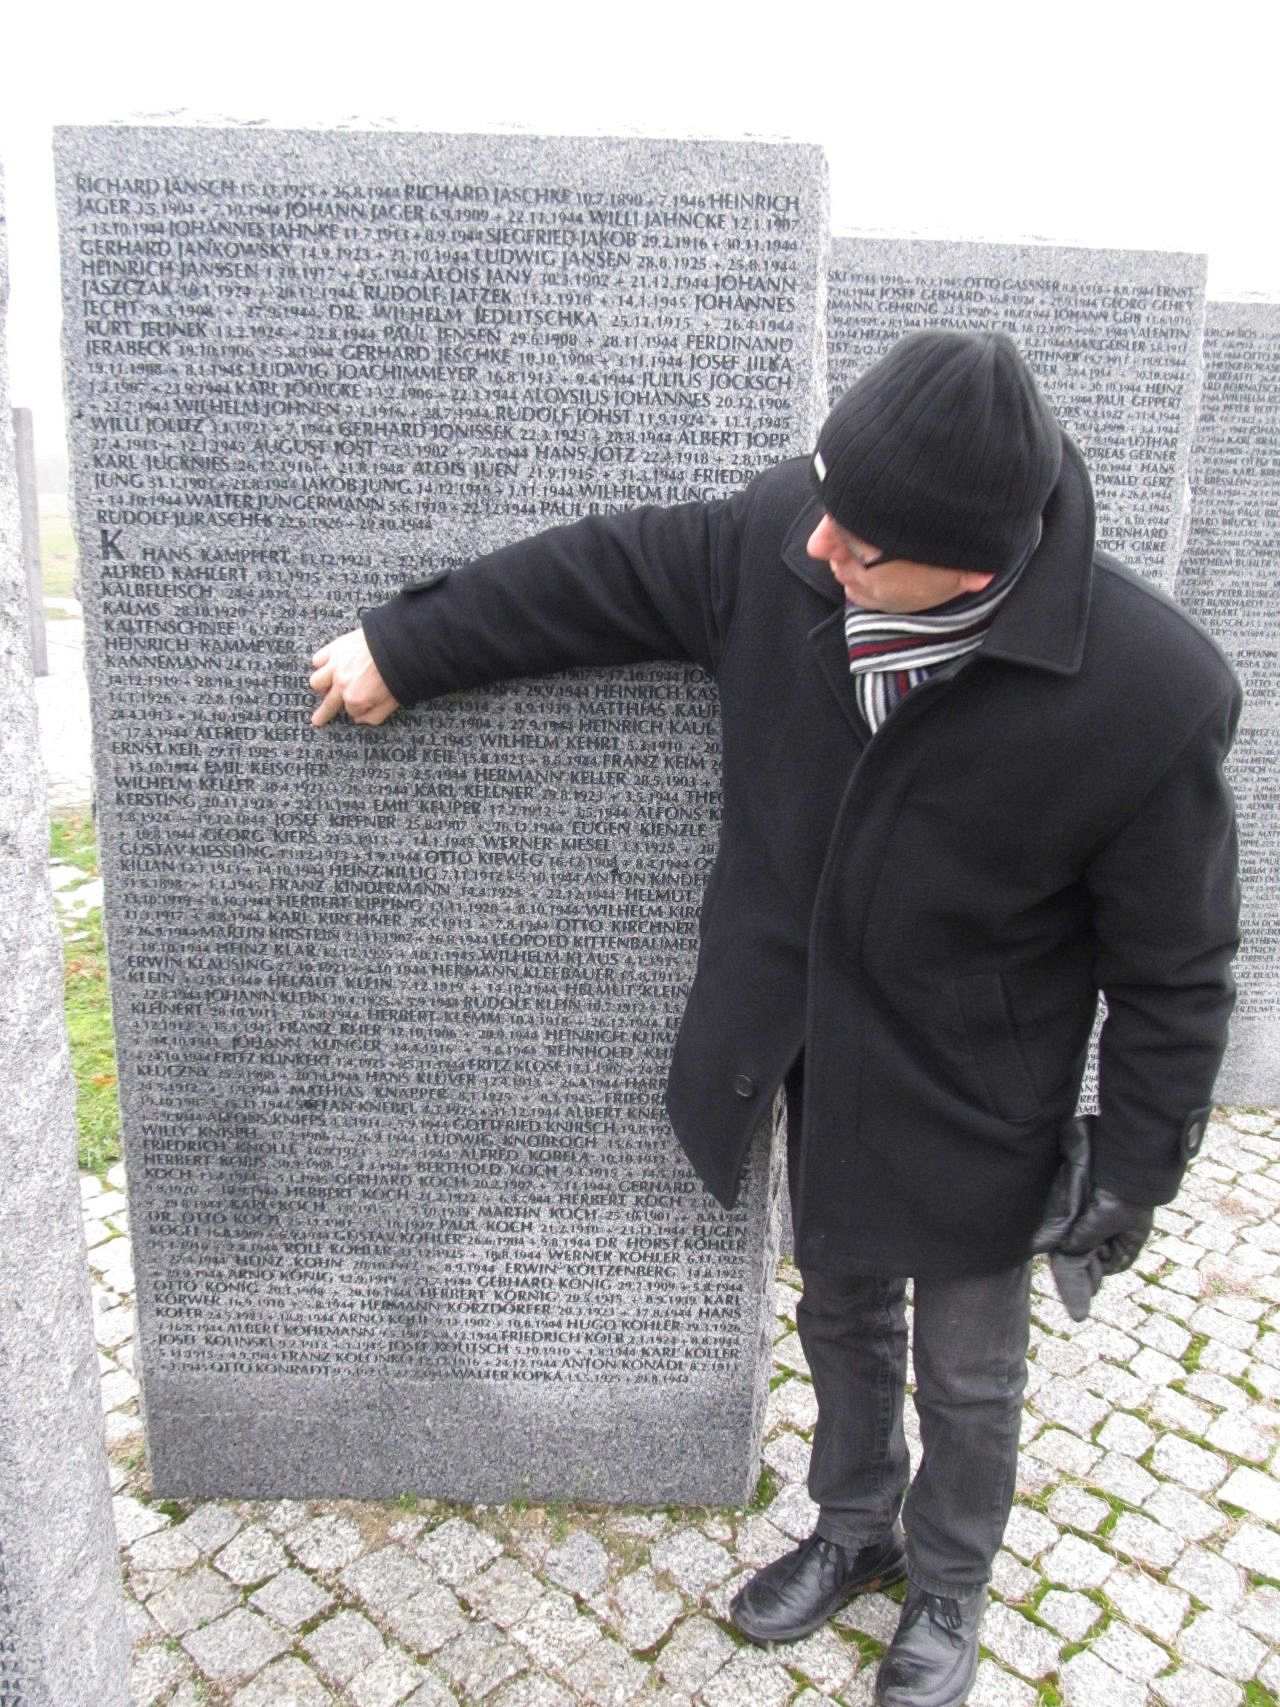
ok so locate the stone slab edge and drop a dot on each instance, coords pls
(56, 1529)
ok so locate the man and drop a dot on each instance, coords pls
(972, 775)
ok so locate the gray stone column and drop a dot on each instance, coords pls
(62, 1634)
(29, 514)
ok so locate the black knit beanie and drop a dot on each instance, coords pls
(943, 452)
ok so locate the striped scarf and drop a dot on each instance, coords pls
(890, 653)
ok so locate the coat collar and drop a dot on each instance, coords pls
(1043, 620)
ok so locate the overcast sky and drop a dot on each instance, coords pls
(1128, 125)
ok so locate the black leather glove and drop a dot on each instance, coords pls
(1088, 1232)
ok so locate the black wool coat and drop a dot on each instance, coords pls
(928, 914)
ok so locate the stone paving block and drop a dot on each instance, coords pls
(387, 1682)
(427, 1620)
(640, 1611)
(1075, 1509)
(192, 1600)
(792, 1404)
(282, 1515)
(554, 1632)
(579, 1564)
(1116, 1386)
(1062, 1357)
(113, 1328)
(291, 1598)
(994, 1687)
(789, 1354)
(606, 1675)
(1176, 1410)
(751, 1679)
(147, 1584)
(1155, 1368)
(1034, 1477)
(1072, 1615)
(252, 1556)
(133, 1520)
(695, 1563)
(1261, 1613)
(163, 1550)
(193, 1693)
(1102, 1340)
(118, 1388)
(503, 1592)
(1126, 1434)
(695, 1651)
(1163, 1335)
(210, 1527)
(1224, 1360)
(1150, 1543)
(1219, 1644)
(1266, 1380)
(236, 1646)
(1123, 1477)
(343, 1646)
(1023, 1646)
(1184, 1513)
(432, 1693)
(1064, 1452)
(1193, 1687)
(719, 1601)
(1237, 1433)
(760, 1543)
(1190, 1465)
(524, 1692)
(1255, 1492)
(1144, 1602)
(1165, 1302)
(287, 1683)
(122, 1428)
(1011, 1579)
(1072, 1406)
(788, 1454)
(385, 1578)
(1078, 1564)
(1210, 1578)
(1089, 1682)
(1133, 1655)
(825, 1659)
(874, 1615)
(1029, 1532)
(1269, 1674)
(326, 1543)
(1216, 1390)
(794, 1513)
(153, 1671)
(1219, 1324)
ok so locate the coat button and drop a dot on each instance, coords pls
(432, 579)
(1194, 1138)
(744, 1085)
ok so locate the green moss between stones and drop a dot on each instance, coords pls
(766, 1489)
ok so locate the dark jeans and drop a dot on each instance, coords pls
(970, 1346)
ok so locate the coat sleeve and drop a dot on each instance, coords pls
(1166, 901)
(612, 589)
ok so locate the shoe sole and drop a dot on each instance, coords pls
(895, 1572)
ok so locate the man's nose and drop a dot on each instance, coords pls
(824, 541)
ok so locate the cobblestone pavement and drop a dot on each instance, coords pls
(1141, 1564)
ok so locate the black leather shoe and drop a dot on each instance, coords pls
(798, 1592)
(933, 1658)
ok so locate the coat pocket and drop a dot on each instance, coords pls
(1008, 1086)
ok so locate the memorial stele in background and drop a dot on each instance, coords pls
(394, 1006)
(62, 1633)
(1113, 336)
(1228, 579)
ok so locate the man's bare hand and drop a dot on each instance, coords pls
(346, 676)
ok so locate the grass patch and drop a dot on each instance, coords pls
(1191, 1356)
(87, 1006)
(766, 1490)
(1258, 1695)
(57, 555)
